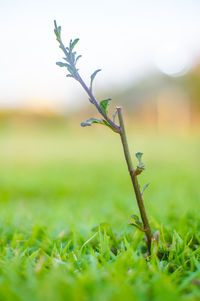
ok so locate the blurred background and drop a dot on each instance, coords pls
(149, 53)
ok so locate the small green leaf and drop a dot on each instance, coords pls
(139, 157)
(57, 31)
(114, 115)
(93, 76)
(72, 44)
(60, 64)
(137, 220)
(69, 75)
(78, 57)
(69, 68)
(140, 166)
(144, 187)
(135, 217)
(104, 105)
(90, 121)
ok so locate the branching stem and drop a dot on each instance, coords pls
(120, 129)
(93, 100)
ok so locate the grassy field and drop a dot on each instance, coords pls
(65, 202)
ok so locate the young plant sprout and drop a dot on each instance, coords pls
(71, 59)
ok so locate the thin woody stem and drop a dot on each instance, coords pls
(121, 130)
(138, 194)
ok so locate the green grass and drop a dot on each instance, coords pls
(57, 184)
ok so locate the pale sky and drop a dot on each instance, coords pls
(125, 38)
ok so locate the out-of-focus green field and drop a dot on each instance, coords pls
(57, 183)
